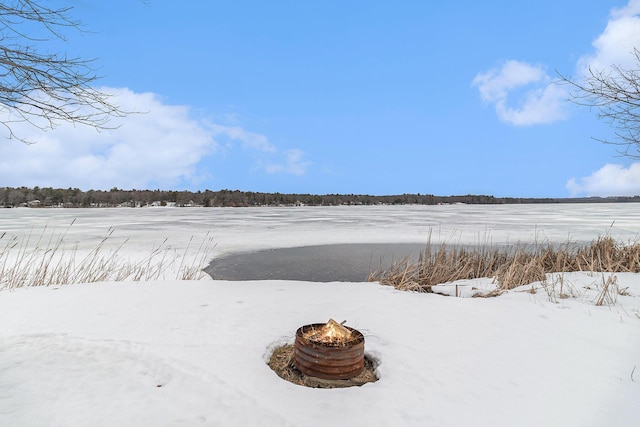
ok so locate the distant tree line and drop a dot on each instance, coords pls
(76, 198)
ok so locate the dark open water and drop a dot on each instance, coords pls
(325, 263)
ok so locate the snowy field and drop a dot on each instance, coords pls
(190, 353)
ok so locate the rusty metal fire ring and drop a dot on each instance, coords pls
(328, 360)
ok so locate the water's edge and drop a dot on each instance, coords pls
(352, 262)
(321, 263)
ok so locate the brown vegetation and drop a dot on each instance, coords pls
(510, 266)
(281, 362)
(50, 261)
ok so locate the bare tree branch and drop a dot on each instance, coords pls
(41, 88)
(615, 95)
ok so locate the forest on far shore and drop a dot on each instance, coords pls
(38, 197)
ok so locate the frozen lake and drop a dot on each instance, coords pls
(246, 229)
(243, 230)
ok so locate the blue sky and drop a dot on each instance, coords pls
(328, 96)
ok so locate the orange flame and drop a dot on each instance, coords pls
(332, 332)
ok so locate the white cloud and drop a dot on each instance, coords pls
(293, 164)
(609, 180)
(249, 140)
(543, 100)
(616, 43)
(495, 84)
(158, 148)
(163, 147)
(632, 8)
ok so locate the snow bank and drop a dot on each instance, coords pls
(194, 353)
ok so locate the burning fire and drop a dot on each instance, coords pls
(330, 333)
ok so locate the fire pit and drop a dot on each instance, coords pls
(329, 351)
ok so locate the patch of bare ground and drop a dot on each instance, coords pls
(281, 362)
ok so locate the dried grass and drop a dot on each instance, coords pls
(510, 266)
(608, 291)
(48, 261)
(281, 362)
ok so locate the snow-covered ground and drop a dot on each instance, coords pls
(188, 353)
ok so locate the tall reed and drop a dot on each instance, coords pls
(511, 266)
(49, 261)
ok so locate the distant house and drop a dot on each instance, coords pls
(34, 204)
(163, 203)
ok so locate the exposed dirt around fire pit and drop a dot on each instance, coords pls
(281, 362)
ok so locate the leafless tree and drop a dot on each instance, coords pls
(42, 88)
(615, 95)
